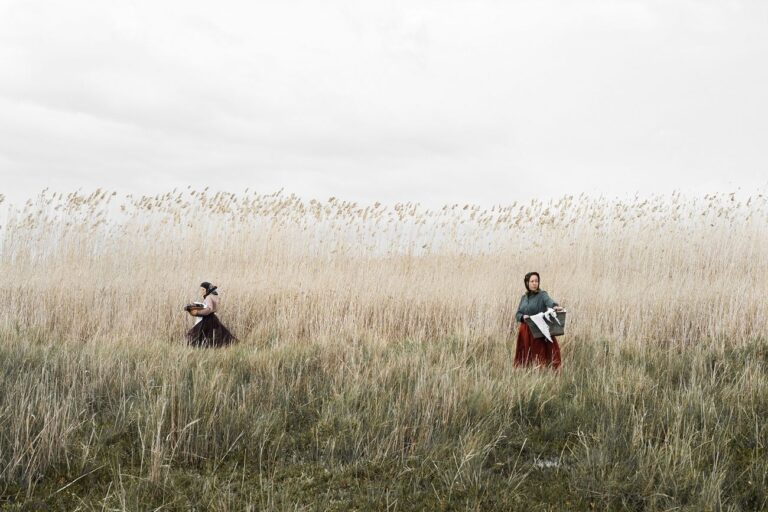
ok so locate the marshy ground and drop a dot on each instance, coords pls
(401, 426)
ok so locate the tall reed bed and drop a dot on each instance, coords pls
(375, 368)
(661, 269)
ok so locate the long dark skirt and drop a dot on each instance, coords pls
(209, 332)
(535, 351)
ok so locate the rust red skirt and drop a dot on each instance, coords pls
(535, 351)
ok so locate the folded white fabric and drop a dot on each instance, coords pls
(541, 321)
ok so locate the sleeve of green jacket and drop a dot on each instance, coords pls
(519, 314)
(548, 300)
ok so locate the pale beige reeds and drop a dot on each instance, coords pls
(658, 269)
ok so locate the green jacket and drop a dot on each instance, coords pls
(534, 303)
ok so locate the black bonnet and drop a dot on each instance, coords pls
(528, 278)
(209, 288)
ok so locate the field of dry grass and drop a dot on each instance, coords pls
(375, 367)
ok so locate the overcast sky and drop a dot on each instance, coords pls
(438, 101)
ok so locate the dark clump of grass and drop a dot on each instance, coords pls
(405, 426)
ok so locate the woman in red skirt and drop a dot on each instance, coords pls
(530, 350)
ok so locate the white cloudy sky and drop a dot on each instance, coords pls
(430, 100)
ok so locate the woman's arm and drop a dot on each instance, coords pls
(548, 301)
(207, 310)
(519, 315)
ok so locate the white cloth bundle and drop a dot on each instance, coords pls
(540, 321)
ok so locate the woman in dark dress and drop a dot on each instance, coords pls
(208, 330)
(530, 350)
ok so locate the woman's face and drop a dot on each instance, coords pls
(202, 291)
(533, 283)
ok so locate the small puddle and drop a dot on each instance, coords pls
(546, 463)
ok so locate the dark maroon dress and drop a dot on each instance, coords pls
(209, 332)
